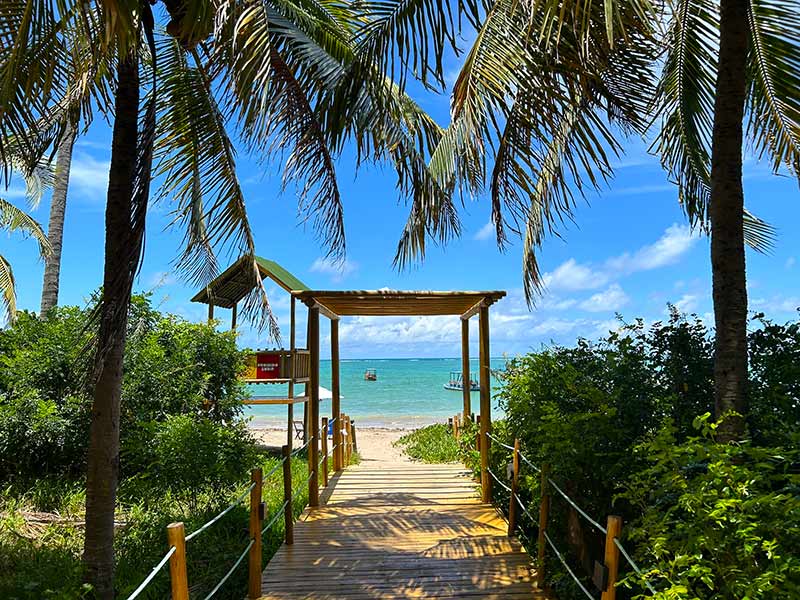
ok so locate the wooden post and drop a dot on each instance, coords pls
(544, 513)
(456, 419)
(254, 571)
(325, 451)
(288, 521)
(355, 437)
(486, 403)
(234, 311)
(613, 528)
(210, 311)
(512, 503)
(313, 409)
(335, 393)
(478, 434)
(465, 376)
(179, 582)
(293, 348)
(349, 443)
(450, 425)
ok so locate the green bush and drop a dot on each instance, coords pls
(171, 368)
(717, 520)
(431, 444)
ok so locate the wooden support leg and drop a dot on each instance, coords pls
(179, 581)
(254, 563)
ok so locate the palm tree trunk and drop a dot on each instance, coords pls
(727, 228)
(103, 458)
(55, 228)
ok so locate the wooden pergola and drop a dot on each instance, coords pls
(235, 283)
(337, 303)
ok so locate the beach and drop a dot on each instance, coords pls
(374, 443)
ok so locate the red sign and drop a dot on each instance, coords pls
(268, 365)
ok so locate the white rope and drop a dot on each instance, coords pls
(503, 485)
(578, 508)
(633, 565)
(153, 573)
(232, 569)
(566, 566)
(222, 514)
(274, 518)
(275, 468)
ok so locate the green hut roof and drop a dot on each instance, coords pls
(237, 281)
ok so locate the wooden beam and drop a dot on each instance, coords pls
(313, 406)
(335, 393)
(486, 403)
(292, 347)
(465, 376)
(210, 312)
(234, 311)
(474, 310)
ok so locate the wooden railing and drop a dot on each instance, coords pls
(177, 537)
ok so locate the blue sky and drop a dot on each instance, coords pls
(629, 251)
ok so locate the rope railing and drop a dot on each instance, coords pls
(231, 570)
(577, 508)
(274, 518)
(233, 505)
(633, 565)
(176, 555)
(153, 573)
(567, 567)
(613, 547)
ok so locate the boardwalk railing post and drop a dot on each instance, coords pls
(611, 560)
(287, 494)
(478, 433)
(340, 449)
(544, 513)
(355, 438)
(254, 571)
(179, 581)
(324, 451)
(512, 502)
(456, 419)
(348, 440)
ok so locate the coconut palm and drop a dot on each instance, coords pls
(302, 79)
(550, 89)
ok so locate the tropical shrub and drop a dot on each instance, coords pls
(717, 520)
(431, 444)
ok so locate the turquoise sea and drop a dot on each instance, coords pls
(409, 392)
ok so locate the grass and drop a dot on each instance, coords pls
(40, 554)
(431, 444)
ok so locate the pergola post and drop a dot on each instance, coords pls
(290, 405)
(234, 311)
(313, 401)
(210, 311)
(486, 404)
(465, 376)
(335, 405)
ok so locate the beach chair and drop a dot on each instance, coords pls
(298, 430)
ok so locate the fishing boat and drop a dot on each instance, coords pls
(370, 375)
(456, 383)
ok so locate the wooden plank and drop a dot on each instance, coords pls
(401, 530)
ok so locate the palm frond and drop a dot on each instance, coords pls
(17, 220)
(774, 94)
(685, 98)
(197, 159)
(8, 289)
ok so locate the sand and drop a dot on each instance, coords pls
(374, 443)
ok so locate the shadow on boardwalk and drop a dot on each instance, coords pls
(401, 530)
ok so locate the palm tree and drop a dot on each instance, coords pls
(303, 78)
(15, 219)
(548, 85)
(55, 225)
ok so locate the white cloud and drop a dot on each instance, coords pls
(573, 276)
(485, 232)
(611, 299)
(687, 303)
(89, 176)
(337, 270)
(674, 243)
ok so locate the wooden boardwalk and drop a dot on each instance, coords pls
(401, 530)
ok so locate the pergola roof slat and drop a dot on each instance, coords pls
(396, 302)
